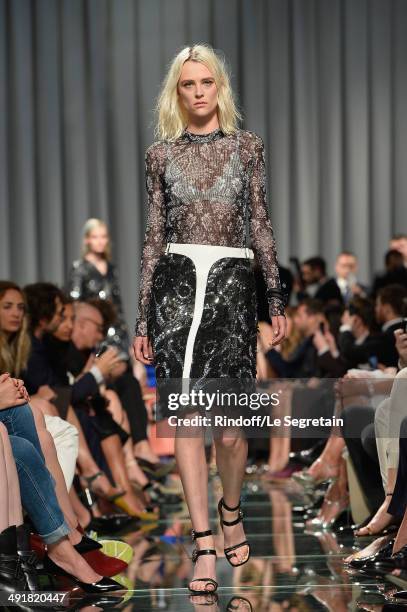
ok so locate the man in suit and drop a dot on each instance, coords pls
(346, 269)
(317, 284)
(389, 311)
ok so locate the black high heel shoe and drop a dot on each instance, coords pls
(197, 553)
(102, 586)
(228, 551)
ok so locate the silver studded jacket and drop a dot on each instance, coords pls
(199, 188)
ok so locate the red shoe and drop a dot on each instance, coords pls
(103, 564)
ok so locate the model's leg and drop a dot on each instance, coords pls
(231, 458)
(191, 462)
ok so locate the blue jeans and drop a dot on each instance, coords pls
(37, 486)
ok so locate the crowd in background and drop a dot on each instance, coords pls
(76, 448)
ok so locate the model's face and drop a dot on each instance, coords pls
(12, 311)
(97, 240)
(346, 265)
(197, 91)
(64, 330)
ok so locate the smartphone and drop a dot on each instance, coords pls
(404, 325)
(322, 328)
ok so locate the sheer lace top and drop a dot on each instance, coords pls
(198, 188)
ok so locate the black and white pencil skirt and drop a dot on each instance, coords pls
(202, 318)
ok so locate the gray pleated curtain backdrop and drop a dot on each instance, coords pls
(324, 82)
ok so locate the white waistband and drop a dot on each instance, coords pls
(208, 250)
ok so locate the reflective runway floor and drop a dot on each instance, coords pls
(289, 569)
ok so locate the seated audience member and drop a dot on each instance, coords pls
(389, 311)
(38, 494)
(100, 429)
(395, 273)
(398, 242)
(122, 381)
(336, 355)
(346, 269)
(317, 284)
(302, 362)
(60, 350)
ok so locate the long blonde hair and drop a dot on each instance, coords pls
(88, 227)
(14, 350)
(171, 117)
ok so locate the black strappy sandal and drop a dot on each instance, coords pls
(197, 553)
(228, 551)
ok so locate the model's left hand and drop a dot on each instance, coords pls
(279, 325)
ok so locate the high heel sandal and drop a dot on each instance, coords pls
(228, 551)
(197, 553)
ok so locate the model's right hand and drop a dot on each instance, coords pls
(143, 350)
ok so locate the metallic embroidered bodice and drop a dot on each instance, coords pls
(199, 188)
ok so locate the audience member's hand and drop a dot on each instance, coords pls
(107, 361)
(45, 392)
(319, 340)
(21, 386)
(118, 369)
(401, 345)
(143, 351)
(11, 392)
(330, 339)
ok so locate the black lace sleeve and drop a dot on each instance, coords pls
(261, 230)
(155, 236)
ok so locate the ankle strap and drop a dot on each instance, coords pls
(228, 508)
(197, 553)
(200, 534)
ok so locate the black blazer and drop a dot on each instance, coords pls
(381, 345)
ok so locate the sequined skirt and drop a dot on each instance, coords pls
(202, 318)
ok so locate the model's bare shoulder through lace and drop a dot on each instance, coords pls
(199, 187)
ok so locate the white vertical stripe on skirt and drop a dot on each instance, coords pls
(203, 256)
